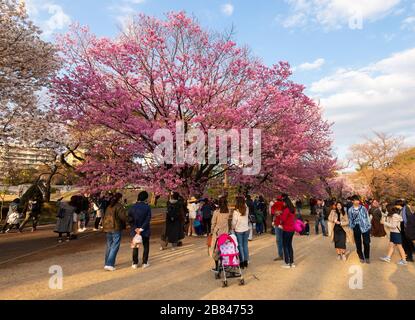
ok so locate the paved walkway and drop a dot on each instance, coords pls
(185, 274)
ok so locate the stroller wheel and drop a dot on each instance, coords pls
(225, 284)
(241, 282)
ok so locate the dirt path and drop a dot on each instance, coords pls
(31, 247)
(185, 274)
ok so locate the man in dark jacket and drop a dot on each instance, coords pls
(207, 213)
(407, 244)
(139, 217)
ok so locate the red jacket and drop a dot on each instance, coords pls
(287, 220)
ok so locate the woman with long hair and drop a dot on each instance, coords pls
(220, 222)
(240, 224)
(113, 223)
(287, 223)
(340, 232)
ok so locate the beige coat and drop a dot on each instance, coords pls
(344, 222)
(220, 225)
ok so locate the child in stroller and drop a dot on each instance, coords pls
(226, 255)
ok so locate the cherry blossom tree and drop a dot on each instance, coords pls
(27, 64)
(116, 93)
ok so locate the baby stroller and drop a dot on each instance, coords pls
(226, 251)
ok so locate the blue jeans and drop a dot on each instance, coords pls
(323, 225)
(113, 245)
(260, 228)
(278, 235)
(243, 245)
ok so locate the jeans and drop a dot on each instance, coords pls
(243, 245)
(278, 236)
(146, 245)
(260, 228)
(287, 243)
(358, 235)
(323, 225)
(113, 245)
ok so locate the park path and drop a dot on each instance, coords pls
(28, 247)
(185, 274)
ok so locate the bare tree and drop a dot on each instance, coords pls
(373, 158)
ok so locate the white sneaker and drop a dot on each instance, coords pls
(293, 265)
(385, 259)
(402, 263)
(145, 265)
(134, 266)
(109, 268)
(95, 229)
(286, 266)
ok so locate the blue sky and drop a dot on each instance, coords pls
(357, 57)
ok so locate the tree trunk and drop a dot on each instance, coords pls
(49, 184)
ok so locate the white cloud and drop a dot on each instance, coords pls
(124, 11)
(380, 96)
(296, 20)
(227, 9)
(408, 23)
(334, 14)
(307, 66)
(49, 16)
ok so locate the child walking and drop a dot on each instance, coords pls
(392, 221)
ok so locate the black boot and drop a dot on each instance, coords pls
(245, 264)
(242, 264)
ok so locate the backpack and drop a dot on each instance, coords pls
(410, 226)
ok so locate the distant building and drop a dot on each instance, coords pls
(21, 157)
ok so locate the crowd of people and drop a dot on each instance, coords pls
(352, 221)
